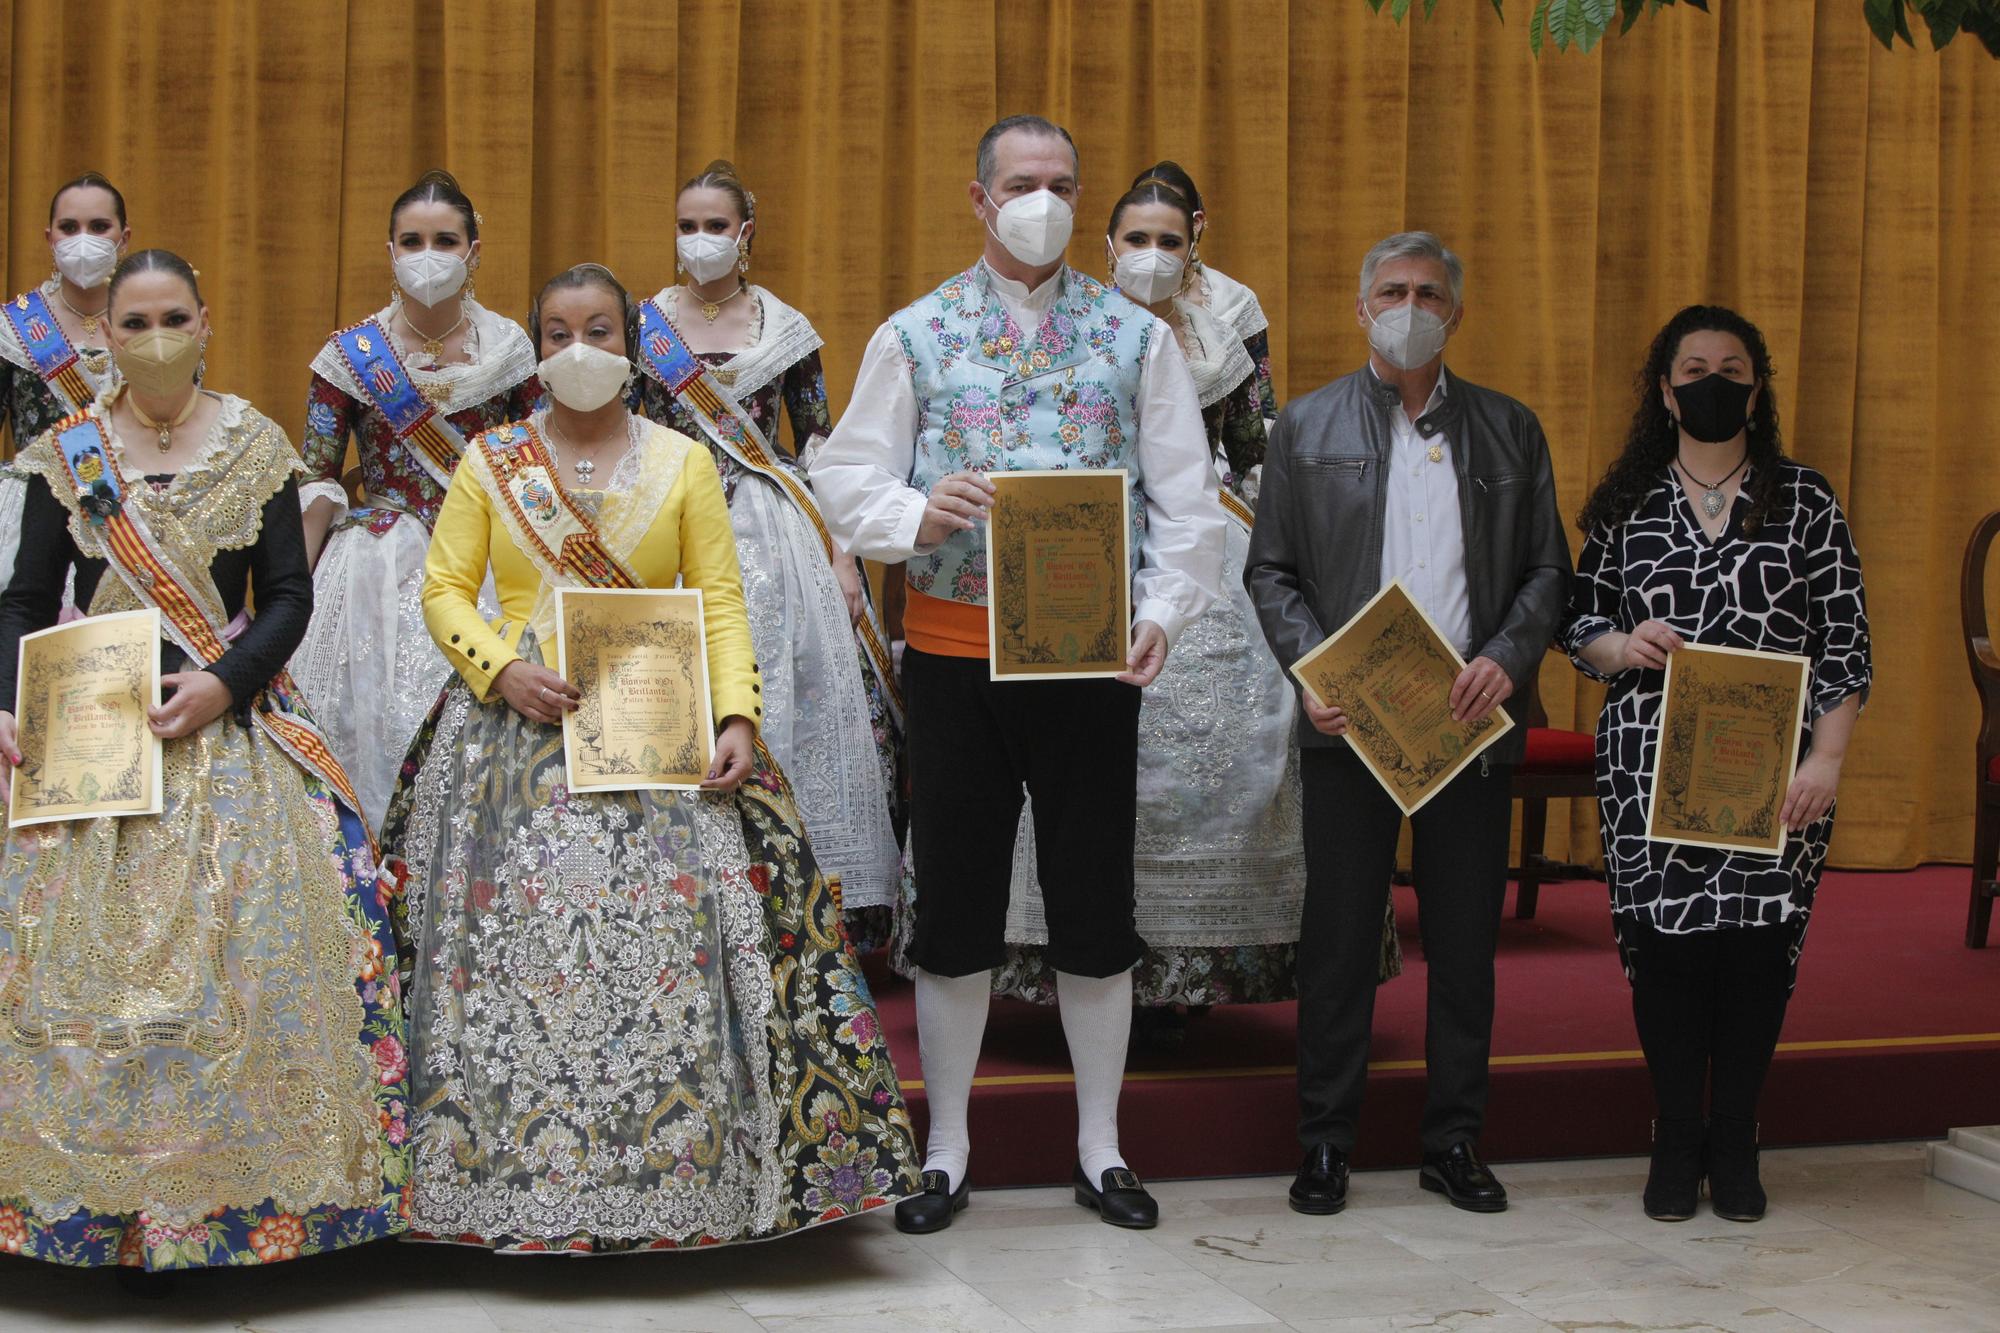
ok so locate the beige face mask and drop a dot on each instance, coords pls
(159, 362)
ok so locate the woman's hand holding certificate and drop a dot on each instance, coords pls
(84, 740)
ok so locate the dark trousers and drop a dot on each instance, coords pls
(974, 745)
(1460, 869)
(1709, 1006)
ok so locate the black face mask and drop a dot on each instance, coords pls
(1713, 408)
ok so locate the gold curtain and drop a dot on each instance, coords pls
(1769, 156)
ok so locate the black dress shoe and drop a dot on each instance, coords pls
(1118, 1198)
(1459, 1175)
(1734, 1189)
(935, 1207)
(1320, 1187)
(1673, 1182)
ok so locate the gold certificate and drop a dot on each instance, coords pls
(86, 750)
(639, 659)
(1059, 561)
(1730, 725)
(1392, 671)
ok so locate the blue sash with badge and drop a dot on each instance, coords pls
(35, 328)
(431, 439)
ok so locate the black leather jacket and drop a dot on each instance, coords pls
(1316, 553)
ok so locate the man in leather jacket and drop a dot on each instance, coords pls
(1402, 470)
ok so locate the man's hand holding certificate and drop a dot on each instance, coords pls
(1414, 712)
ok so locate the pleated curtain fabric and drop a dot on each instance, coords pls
(1769, 156)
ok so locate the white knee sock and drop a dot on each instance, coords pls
(951, 1024)
(1097, 1020)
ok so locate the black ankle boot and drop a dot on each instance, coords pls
(1734, 1190)
(1673, 1184)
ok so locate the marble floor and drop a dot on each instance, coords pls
(1858, 1238)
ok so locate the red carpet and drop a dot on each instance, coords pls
(1894, 1032)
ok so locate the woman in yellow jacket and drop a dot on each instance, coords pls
(635, 1022)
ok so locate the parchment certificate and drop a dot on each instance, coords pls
(86, 751)
(639, 659)
(1392, 671)
(1059, 557)
(1730, 728)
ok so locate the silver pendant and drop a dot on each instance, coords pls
(1712, 503)
(583, 467)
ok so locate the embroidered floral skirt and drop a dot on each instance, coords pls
(636, 1023)
(201, 1039)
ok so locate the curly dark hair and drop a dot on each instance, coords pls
(1654, 439)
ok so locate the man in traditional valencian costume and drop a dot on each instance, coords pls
(1022, 363)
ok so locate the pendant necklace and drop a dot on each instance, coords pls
(437, 394)
(1713, 502)
(165, 429)
(585, 468)
(89, 321)
(711, 309)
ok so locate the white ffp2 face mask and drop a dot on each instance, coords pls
(86, 260)
(1149, 276)
(1407, 336)
(1034, 227)
(708, 255)
(584, 378)
(430, 276)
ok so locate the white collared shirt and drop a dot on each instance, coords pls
(861, 475)
(1423, 536)
(1026, 308)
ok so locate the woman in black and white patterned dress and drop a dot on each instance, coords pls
(1702, 531)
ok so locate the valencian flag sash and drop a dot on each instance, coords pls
(420, 427)
(190, 609)
(556, 536)
(667, 359)
(34, 324)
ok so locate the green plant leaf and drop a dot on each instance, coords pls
(1983, 22)
(1399, 9)
(1943, 18)
(1375, 5)
(1535, 27)
(1597, 16)
(1498, 10)
(1881, 21)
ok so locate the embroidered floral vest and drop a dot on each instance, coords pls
(992, 399)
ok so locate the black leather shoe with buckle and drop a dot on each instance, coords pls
(1460, 1176)
(1118, 1198)
(1320, 1187)
(935, 1207)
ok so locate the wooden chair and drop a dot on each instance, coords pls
(1986, 780)
(1558, 763)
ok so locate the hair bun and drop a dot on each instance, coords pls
(439, 176)
(721, 166)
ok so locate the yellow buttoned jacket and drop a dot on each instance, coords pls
(664, 517)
